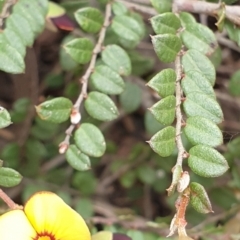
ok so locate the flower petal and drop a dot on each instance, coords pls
(15, 225)
(48, 213)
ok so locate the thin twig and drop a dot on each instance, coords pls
(84, 79)
(181, 150)
(11, 204)
(212, 9)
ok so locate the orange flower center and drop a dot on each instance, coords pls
(44, 236)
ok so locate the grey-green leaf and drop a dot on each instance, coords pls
(105, 80)
(56, 110)
(80, 50)
(234, 84)
(5, 118)
(11, 60)
(164, 82)
(163, 142)
(164, 110)
(9, 177)
(186, 18)
(199, 37)
(100, 106)
(195, 81)
(194, 60)
(199, 104)
(131, 98)
(165, 23)
(128, 28)
(199, 198)
(90, 140)
(90, 19)
(117, 59)
(200, 130)
(77, 159)
(166, 46)
(162, 6)
(119, 8)
(206, 161)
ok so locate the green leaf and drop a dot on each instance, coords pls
(100, 106)
(15, 41)
(234, 84)
(200, 130)
(135, 234)
(199, 198)
(119, 8)
(199, 37)
(166, 46)
(164, 82)
(128, 28)
(80, 50)
(56, 110)
(195, 81)
(163, 142)
(186, 18)
(9, 177)
(206, 161)
(165, 23)
(11, 60)
(233, 31)
(5, 118)
(116, 58)
(199, 104)
(90, 140)
(194, 60)
(151, 124)
(164, 110)
(131, 98)
(77, 159)
(66, 61)
(146, 174)
(105, 80)
(55, 10)
(24, 32)
(162, 6)
(90, 19)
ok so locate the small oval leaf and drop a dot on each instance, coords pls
(164, 82)
(100, 106)
(206, 161)
(77, 159)
(80, 50)
(166, 46)
(199, 37)
(163, 142)
(164, 110)
(131, 98)
(117, 59)
(5, 118)
(195, 81)
(194, 60)
(105, 80)
(9, 177)
(90, 140)
(90, 19)
(165, 23)
(199, 104)
(128, 28)
(199, 198)
(200, 130)
(56, 110)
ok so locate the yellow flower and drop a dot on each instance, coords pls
(44, 217)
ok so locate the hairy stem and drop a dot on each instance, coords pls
(84, 79)
(11, 204)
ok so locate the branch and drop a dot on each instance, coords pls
(212, 9)
(11, 204)
(84, 79)
(181, 150)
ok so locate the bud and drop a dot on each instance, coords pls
(75, 116)
(183, 181)
(63, 147)
(173, 226)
